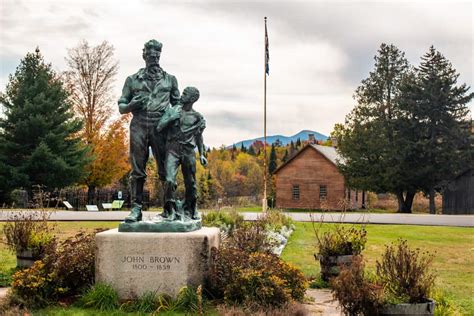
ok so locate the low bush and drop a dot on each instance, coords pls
(256, 286)
(276, 220)
(403, 276)
(64, 271)
(356, 292)
(251, 237)
(101, 297)
(405, 273)
(262, 279)
(29, 230)
(74, 263)
(341, 240)
(445, 305)
(225, 220)
(33, 287)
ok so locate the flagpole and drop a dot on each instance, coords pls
(264, 201)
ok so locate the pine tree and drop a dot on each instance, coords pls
(292, 149)
(437, 117)
(251, 151)
(243, 148)
(298, 143)
(272, 164)
(211, 187)
(38, 134)
(285, 156)
(203, 198)
(377, 157)
(232, 152)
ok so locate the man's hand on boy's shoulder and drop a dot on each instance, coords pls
(174, 112)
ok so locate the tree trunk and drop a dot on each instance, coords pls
(363, 200)
(432, 201)
(405, 202)
(90, 194)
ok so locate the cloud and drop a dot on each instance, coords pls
(319, 50)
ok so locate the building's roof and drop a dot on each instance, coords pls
(328, 152)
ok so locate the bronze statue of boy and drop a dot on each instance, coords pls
(183, 127)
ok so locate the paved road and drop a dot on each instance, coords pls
(402, 219)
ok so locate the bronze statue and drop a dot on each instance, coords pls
(147, 94)
(184, 127)
(173, 129)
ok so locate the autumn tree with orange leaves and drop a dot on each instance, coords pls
(89, 80)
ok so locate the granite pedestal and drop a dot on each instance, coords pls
(136, 263)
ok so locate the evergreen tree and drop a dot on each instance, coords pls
(251, 151)
(203, 198)
(438, 122)
(285, 156)
(38, 142)
(211, 187)
(298, 142)
(278, 143)
(377, 157)
(232, 152)
(292, 149)
(243, 148)
(272, 164)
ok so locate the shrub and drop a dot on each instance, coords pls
(263, 279)
(74, 263)
(29, 230)
(445, 305)
(275, 220)
(405, 273)
(251, 237)
(65, 271)
(403, 276)
(355, 291)
(225, 220)
(341, 240)
(32, 287)
(101, 297)
(251, 286)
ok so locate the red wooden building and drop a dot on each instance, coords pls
(311, 180)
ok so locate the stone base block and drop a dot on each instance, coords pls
(136, 263)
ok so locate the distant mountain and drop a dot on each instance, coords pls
(285, 140)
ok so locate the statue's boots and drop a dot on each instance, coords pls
(136, 186)
(169, 211)
(135, 214)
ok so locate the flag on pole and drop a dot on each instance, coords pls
(267, 54)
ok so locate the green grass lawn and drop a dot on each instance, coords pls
(453, 249)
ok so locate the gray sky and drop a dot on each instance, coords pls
(319, 50)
